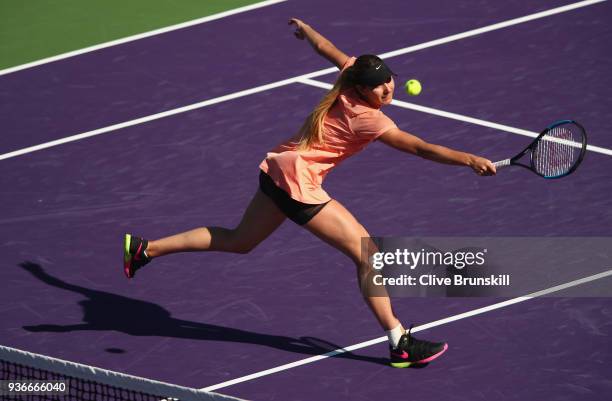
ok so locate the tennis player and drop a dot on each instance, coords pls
(346, 120)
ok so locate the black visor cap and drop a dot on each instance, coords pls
(376, 75)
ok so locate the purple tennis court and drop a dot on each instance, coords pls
(225, 322)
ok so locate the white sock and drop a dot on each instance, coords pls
(395, 334)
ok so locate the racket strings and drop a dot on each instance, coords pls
(556, 152)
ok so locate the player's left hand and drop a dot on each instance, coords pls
(299, 28)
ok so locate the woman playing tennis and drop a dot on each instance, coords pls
(346, 120)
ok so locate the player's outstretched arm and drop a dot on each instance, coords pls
(319, 43)
(408, 143)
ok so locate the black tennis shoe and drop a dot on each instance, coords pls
(411, 351)
(133, 254)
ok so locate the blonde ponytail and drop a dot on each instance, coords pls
(311, 132)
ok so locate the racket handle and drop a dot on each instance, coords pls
(501, 164)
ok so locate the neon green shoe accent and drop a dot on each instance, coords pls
(126, 248)
(400, 364)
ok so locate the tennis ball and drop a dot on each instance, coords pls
(413, 87)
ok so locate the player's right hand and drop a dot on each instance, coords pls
(482, 166)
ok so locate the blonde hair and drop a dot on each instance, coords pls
(311, 132)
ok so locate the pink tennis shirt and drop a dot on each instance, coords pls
(349, 126)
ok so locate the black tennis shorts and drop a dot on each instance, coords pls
(299, 212)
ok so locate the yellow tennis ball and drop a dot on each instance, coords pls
(413, 87)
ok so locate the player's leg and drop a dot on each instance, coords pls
(337, 226)
(260, 219)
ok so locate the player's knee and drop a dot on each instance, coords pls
(238, 242)
(242, 245)
(244, 248)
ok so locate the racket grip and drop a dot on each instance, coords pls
(501, 164)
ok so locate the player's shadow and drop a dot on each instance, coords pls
(106, 311)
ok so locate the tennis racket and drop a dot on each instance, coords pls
(555, 153)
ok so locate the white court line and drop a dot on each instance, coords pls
(455, 116)
(140, 36)
(440, 322)
(145, 119)
(490, 28)
(288, 81)
(473, 32)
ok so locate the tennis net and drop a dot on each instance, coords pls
(63, 380)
